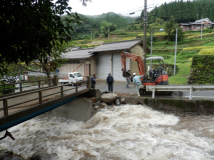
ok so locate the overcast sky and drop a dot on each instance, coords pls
(97, 7)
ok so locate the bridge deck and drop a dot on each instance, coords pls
(25, 111)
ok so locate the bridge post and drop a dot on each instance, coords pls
(39, 83)
(40, 97)
(5, 104)
(88, 82)
(20, 86)
(55, 80)
(76, 87)
(61, 91)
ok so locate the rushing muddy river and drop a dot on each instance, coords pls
(129, 132)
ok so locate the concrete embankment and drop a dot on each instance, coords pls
(180, 107)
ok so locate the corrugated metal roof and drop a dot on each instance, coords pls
(78, 54)
(120, 45)
(185, 24)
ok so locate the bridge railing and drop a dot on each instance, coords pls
(25, 85)
(40, 98)
(189, 88)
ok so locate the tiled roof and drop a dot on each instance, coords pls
(120, 45)
(78, 54)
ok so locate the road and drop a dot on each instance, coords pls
(120, 87)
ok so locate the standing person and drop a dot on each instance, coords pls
(93, 81)
(137, 82)
(110, 81)
(128, 79)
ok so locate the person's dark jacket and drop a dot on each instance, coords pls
(93, 80)
(110, 79)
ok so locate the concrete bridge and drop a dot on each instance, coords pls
(19, 107)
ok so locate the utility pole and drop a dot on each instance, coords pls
(144, 35)
(175, 49)
(91, 35)
(151, 50)
(108, 32)
(201, 30)
(197, 16)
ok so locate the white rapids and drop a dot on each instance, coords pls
(129, 132)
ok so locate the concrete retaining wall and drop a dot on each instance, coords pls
(178, 107)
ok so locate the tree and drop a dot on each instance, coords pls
(159, 21)
(49, 63)
(31, 29)
(170, 26)
(107, 27)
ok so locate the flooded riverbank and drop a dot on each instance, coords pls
(129, 132)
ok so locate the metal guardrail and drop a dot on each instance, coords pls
(189, 88)
(40, 97)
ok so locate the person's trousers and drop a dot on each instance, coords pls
(137, 87)
(93, 85)
(127, 81)
(110, 87)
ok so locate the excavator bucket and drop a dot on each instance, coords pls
(126, 74)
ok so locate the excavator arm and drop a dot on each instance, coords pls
(135, 58)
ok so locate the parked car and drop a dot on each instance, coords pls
(73, 77)
(10, 79)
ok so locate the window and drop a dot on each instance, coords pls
(72, 76)
(77, 75)
(198, 27)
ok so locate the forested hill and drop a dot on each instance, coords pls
(119, 20)
(100, 24)
(183, 11)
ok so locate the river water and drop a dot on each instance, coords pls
(129, 132)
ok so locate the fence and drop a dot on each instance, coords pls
(189, 88)
(40, 99)
(24, 85)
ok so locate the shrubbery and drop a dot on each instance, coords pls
(7, 89)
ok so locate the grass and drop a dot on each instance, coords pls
(209, 51)
(196, 48)
(182, 76)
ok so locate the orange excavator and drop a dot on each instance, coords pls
(157, 76)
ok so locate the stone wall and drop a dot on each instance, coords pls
(202, 70)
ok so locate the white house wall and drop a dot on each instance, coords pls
(65, 69)
(102, 65)
(110, 62)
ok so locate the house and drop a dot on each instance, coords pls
(108, 58)
(205, 21)
(104, 59)
(77, 58)
(192, 26)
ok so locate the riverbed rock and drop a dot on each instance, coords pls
(98, 103)
(14, 157)
(44, 156)
(117, 102)
(5, 153)
(109, 97)
(103, 105)
(97, 107)
(123, 100)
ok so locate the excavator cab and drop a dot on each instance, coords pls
(154, 71)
